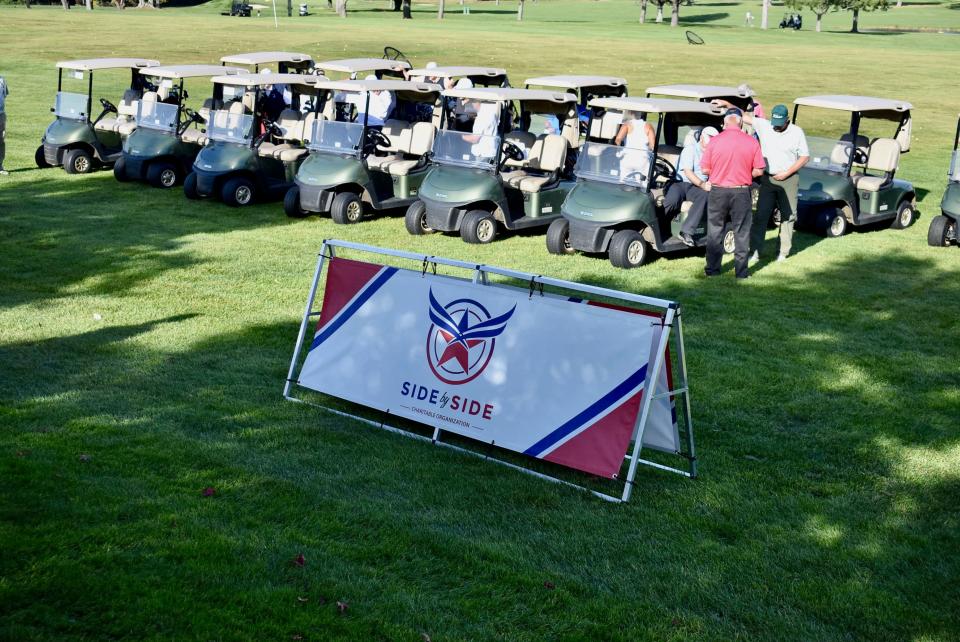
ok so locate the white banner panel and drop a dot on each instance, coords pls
(545, 376)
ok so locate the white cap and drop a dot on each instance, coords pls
(431, 65)
(464, 83)
(709, 131)
(371, 77)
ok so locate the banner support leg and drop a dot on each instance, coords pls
(688, 414)
(306, 318)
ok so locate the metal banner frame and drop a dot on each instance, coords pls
(671, 323)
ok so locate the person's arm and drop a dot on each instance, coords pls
(726, 104)
(621, 134)
(759, 165)
(651, 136)
(705, 161)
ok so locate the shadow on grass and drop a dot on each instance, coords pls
(818, 401)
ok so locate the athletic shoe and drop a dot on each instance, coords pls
(686, 239)
(3, 172)
(782, 257)
(754, 259)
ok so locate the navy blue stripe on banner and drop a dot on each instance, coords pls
(357, 303)
(598, 407)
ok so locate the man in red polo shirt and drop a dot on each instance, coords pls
(731, 161)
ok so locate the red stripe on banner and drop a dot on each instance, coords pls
(345, 278)
(599, 449)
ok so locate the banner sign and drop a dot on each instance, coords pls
(554, 378)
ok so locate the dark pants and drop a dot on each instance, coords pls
(728, 204)
(682, 191)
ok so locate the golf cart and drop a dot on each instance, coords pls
(586, 89)
(512, 179)
(284, 61)
(352, 162)
(74, 139)
(944, 227)
(247, 155)
(704, 93)
(447, 77)
(850, 178)
(168, 137)
(616, 206)
(357, 68)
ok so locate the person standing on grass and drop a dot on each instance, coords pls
(4, 92)
(731, 162)
(784, 147)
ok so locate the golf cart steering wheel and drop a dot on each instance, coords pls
(193, 116)
(392, 53)
(107, 105)
(511, 152)
(663, 167)
(376, 138)
(859, 156)
(272, 128)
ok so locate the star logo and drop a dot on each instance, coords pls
(461, 339)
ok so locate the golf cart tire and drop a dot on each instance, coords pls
(940, 231)
(628, 249)
(163, 174)
(905, 216)
(478, 227)
(558, 237)
(415, 219)
(40, 159)
(291, 204)
(729, 244)
(78, 161)
(120, 171)
(238, 192)
(831, 223)
(347, 208)
(190, 187)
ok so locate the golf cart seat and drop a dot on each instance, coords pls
(546, 157)
(523, 140)
(841, 151)
(399, 133)
(126, 113)
(193, 134)
(421, 141)
(292, 130)
(884, 156)
(606, 127)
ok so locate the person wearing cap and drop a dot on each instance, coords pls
(691, 185)
(785, 151)
(731, 162)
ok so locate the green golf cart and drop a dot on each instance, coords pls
(286, 62)
(168, 137)
(249, 156)
(586, 88)
(75, 139)
(616, 207)
(512, 178)
(944, 227)
(850, 177)
(356, 158)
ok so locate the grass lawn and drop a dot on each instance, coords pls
(144, 340)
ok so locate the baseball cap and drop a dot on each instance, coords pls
(709, 132)
(779, 116)
(733, 111)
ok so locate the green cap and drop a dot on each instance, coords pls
(779, 116)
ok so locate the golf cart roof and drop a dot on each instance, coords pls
(700, 92)
(459, 72)
(92, 64)
(191, 71)
(357, 65)
(263, 57)
(655, 105)
(576, 82)
(854, 103)
(498, 94)
(261, 79)
(377, 85)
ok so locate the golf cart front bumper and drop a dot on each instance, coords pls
(950, 203)
(444, 217)
(207, 182)
(134, 167)
(51, 154)
(587, 236)
(314, 198)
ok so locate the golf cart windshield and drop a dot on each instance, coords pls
(613, 164)
(829, 154)
(72, 106)
(955, 167)
(337, 137)
(155, 115)
(465, 149)
(230, 128)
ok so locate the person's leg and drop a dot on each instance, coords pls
(768, 198)
(716, 217)
(698, 207)
(788, 212)
(740, 220)
(676, 194)
(3, 135)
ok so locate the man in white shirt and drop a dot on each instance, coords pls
(485, 129)
(380, 107)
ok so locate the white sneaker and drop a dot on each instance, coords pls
(3, 172)
(754, 259)
(782, 257)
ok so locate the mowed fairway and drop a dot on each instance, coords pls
(144, 341)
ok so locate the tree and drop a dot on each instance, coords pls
(289, 8)
(856, 6)
(440, 9)
(396, 5)
(674, 13)
(407, 15)
(764, 14)
(659, 10)
(66, 4)
(342, 8)
(643, 11)
(520, 10)
(818, 7)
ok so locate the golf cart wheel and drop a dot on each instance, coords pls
(628, 249)
(832, 224)
(40, 159)
(190, 187)
(942, 230)
(415, 219)
(120, 171)
(905, 216)
(163, 174)
(78, 161)
(478, 226)
(347, 208)
(729, 242)
(558, 237)
(291, 204)
(238, 192)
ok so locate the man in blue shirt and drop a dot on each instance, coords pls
(3, 123)
(691, 185)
